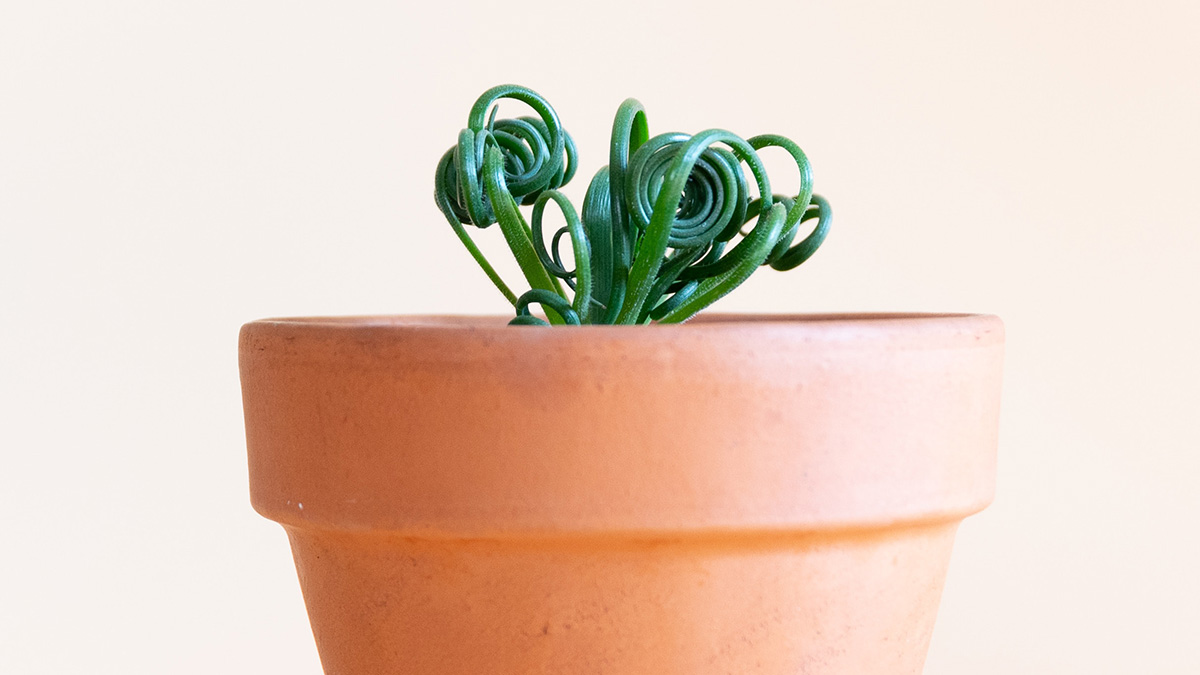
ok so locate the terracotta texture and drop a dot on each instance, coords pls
(734, 495)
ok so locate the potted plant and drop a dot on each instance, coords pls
(740, 494)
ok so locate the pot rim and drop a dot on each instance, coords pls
(708, 321)
(928, 329)
(366, 423)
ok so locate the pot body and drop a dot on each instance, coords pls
(738, 494)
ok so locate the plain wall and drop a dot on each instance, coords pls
(169, 171)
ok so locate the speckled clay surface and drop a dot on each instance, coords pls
(735, 495)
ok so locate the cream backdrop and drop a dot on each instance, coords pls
(169, 171)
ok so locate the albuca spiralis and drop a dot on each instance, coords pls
(665, 228)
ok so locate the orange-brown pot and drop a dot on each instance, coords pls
(740, 494)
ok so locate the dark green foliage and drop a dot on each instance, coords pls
(656, 237)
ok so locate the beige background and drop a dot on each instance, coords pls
(171, 170)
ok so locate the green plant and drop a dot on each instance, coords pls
(653, 241)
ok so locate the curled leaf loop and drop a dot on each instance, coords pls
(671, 224)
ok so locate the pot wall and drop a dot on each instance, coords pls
(734, 495)
(838, 602)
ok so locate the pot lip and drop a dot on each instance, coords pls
(910, 330)
(717, 322)
(823, 365)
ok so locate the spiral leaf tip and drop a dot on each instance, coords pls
(655, 241)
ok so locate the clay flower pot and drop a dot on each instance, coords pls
(739, 494)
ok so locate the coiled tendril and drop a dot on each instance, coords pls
(655, 240)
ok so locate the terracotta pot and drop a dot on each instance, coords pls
(736, 495)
